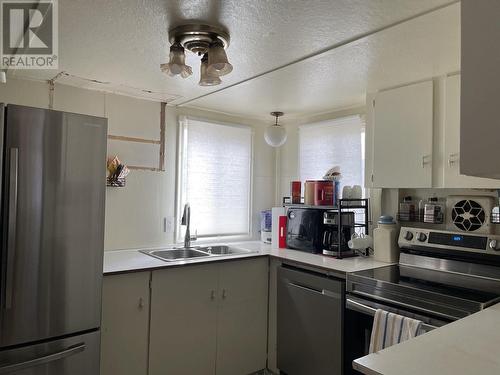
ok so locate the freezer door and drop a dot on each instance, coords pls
(53, 224)
(77, 355)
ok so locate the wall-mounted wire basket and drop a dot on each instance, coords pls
(116, 182)
(117, 172)
(411, 217)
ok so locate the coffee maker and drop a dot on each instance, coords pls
(337, 234)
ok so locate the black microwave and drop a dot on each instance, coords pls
(304, 229)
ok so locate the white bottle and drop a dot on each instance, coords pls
(385, 245)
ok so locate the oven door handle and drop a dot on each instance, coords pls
(368, 310)
(359, 307)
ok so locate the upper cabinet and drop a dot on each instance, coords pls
(480, 67)
(452, 155)
(401, 133)
(414, 139)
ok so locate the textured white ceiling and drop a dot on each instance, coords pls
(422, 48)
(124, 41)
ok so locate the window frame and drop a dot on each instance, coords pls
(182, 128)
(362, 120)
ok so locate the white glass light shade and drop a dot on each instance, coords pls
(275, 135)
(206, 79)
(218, 65)
(177, 63)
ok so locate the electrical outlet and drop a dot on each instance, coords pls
(168, 224)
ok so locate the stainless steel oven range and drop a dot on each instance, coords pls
(442, 276)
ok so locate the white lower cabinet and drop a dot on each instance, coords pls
(183, 320)
(125, 324)
(242, 317)
(209, 318)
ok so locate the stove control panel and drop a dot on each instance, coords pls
(462, 241)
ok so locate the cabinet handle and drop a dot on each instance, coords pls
(212, 295)
(224, 293)
(141, 303)
(426, 159)
(453, 159)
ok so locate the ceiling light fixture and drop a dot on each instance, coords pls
(177, 62)
(275, 135)
(207, 79)
(207, 41)
(218, 65)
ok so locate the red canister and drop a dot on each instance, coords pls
(323, 192)
(295, 190)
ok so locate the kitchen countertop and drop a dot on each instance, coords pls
(467, 346)
(120, 261)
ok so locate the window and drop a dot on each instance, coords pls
(215, 177)
(326, 144)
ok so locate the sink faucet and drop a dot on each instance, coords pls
(186, 220)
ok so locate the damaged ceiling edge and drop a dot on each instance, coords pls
(69, 79)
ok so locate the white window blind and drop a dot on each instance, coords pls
(326, 144)
(216, 177)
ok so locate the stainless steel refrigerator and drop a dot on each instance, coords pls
(52, 238)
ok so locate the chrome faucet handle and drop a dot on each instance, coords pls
(186, 214)
(186, 220)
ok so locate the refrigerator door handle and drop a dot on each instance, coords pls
(72, 350)
(12, 222)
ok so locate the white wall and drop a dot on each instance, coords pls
(134, 214)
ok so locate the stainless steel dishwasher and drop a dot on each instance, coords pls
(310, 322)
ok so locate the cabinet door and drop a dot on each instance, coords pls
(402, 138)
(480, 75)
(125, 324)
(452, 176)
(242, 317)
(274, 264)
(183, 320)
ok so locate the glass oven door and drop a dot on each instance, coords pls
(359, 322)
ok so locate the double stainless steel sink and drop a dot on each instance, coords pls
(186, 253)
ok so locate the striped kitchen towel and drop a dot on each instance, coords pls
(391, 329)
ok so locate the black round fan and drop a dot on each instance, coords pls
(468, 215)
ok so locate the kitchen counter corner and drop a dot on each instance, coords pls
(466, 346)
